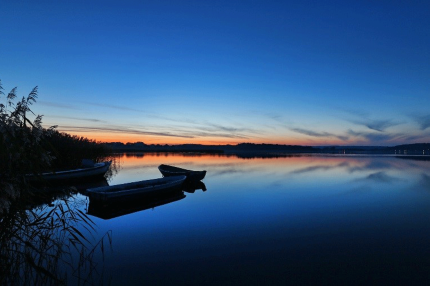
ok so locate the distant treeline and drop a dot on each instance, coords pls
(64, 151)
(69, 150)
(408, 149)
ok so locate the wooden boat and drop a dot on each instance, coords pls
(168, 171)
(98, 209)
(98, 169)
(136, 189)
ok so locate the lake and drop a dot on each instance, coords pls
(303, 219)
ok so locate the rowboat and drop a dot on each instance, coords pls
(168, 171)
(98, 169)
(136, 189)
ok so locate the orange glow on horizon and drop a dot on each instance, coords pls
(132, 138)
(294, 161)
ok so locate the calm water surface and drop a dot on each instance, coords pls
(299, 220)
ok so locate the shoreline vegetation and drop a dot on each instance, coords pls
(269, 149)
(28, 148)
(38, 241)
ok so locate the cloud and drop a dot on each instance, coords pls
(319, 134)
(211, 134)
(409, 138)
(76, 118)
(124, 130)
(423, 121)
(397, 138)
(183, 120)
(208, 129)
(275, 116)
(377, 125)
(218, 127)
(213, 127)
(55, 104)
(363, 118)
(377, 137)
(117, 107)
(128, 130)
(355, 112)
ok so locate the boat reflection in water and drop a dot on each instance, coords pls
(192, 186)
(48, 194)
(102, 210)
(41, 232)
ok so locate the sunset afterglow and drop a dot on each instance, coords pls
(224, 72)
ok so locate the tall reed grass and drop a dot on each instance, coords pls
(46, 244)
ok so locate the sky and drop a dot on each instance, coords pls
(223, 72)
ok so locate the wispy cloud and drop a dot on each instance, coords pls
(182, 120)
(123, 130)
(423, 121)
(218, 135)
(117, 107)
(183, 133)
(360, 117)
(386, 138)
(217, 127)
(318, 134)
(374, 137)
(77, 118)
(55, 104)
(274, 116)
(356, 112)
(214, 128)
(377, 125)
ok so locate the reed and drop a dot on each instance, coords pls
(49, 245)
(41, 244)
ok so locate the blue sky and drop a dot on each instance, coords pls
(215, 72)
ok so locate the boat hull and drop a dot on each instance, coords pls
(136, 189)
(169, 171)
(98, 170)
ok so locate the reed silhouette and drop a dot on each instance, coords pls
(44, 240)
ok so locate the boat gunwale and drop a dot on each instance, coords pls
(74, 171)
(80, 173)
(145, 184)
(168, 170)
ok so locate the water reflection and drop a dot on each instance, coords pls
(102, 210)
(281, 220)
(110, 211)
(193, 186)
(380, 177)
(45, 238)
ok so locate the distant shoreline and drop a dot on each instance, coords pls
(270, 149)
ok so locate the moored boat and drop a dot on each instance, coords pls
(98, 169)
(136, 189)
(168, 171)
